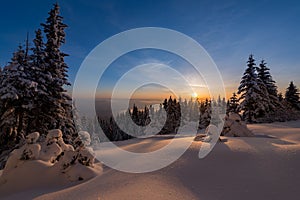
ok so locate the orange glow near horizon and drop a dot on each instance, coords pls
(200, 94)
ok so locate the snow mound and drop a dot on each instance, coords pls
(85, 137)
(235, 127)
(32, 137)
(210, 133)
(52, 156)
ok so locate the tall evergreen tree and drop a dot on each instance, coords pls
(1, 80)
(253, 99)
(41, 76)
(266, 78)
(16, 94)
(292, 96)
(59, 104)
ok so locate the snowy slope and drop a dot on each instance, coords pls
(240, 168)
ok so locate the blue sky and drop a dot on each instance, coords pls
(228, 30)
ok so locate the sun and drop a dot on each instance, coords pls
(194, 95)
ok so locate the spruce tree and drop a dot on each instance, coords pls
(292, 96)
(205, 114)
(1, 80)
(280, 97)
(253, 98)
(16, 94)
(233, 103)
(266, 78)
(59, 108)
(41, 76)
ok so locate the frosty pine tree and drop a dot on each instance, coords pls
(265, 76)
(32, 91)
(59, 106)
(16, 92)
(292, 96)
(233, 104)
(254, 99)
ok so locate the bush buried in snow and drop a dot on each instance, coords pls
(76, 164)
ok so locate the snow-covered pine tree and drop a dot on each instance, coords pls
(95, 136)
(172, 108)
(224, 105)
(1, 80)
(292, 96)
(193, 109)
(184, 111)
(205, 114)
(265, 76)
(253, 95)
(40, 75)
(233, 103)
(59, 106)
(16, 94)
(280, 97)
(221, 105)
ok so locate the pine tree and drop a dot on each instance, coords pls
(292, 96)
(224, 106)
(184, 111)
(265, 76)
(172, 108)
(16, 94)
(233, 103)
(59, 104)
(40, 75)
(253, 98)
(280, 97)
(205, 114)
(1, 81)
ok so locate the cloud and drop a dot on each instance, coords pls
(198, 86)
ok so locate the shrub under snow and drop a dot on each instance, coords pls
(75, 164)
(235, 127)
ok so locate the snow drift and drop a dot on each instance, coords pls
(52, 161)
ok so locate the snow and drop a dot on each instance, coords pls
(50, 152)
(235, 127)
(32, 137)
(85, 137)
(240, 168)
(54, 134)
(51, 163)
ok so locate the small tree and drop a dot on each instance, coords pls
(205, 114)
(233, 103)
(292, 96)
(280, 97)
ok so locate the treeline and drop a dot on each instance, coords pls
(259, 100)
(166, 118)
(32, 94)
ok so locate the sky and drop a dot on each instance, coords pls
(228, 30)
